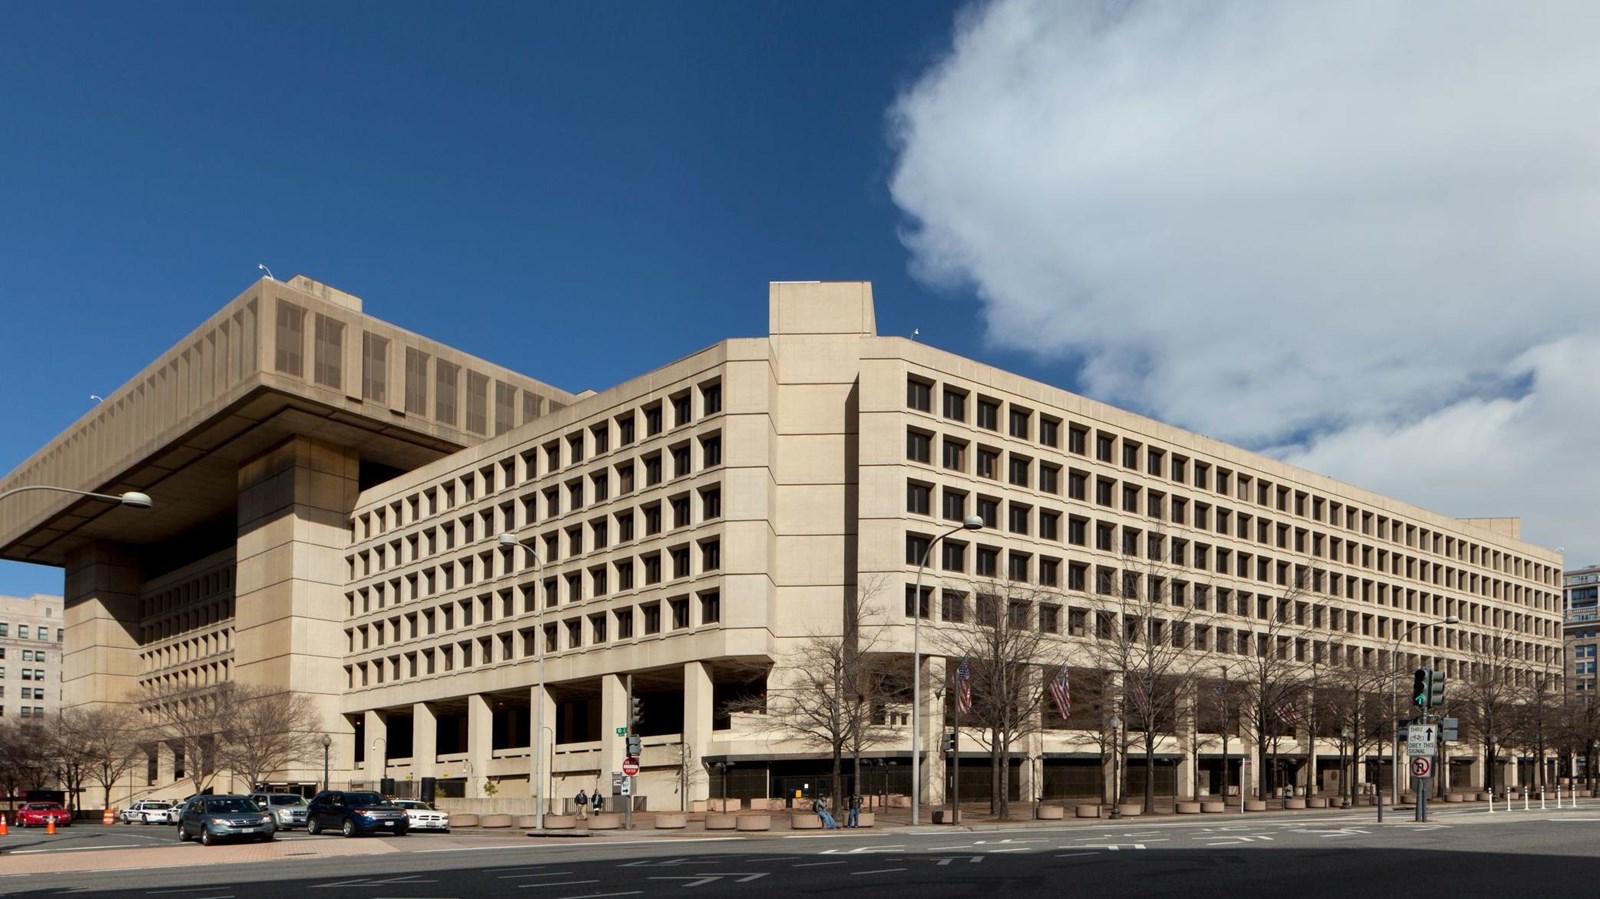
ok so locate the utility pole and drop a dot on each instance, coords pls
(627, 801)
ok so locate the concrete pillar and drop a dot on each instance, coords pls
(375, 731)
(697, 711)
(424, 742)
(542, 744)
(480, 742)
(293, 529)
(613, 714)
(100, 659)
(931, 740)
(1030, 777)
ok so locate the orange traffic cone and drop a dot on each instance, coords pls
(50, 826)
(3, 829)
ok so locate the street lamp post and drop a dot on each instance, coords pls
(544, 686)
(326, 742)
(132, 499)
(1394, 671)
(970, 523)
(1116, 766)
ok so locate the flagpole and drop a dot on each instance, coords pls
(955, 752)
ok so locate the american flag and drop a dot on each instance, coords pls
(1286, 713)
(1061, 689)
(964, 682)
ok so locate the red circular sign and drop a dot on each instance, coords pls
(630, 767)
(1421, 766)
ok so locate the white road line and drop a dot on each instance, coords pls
(1017, 849)
(184, 890)
(879, 871)
(564, 883)
(600, 895)
(815, 864)
(1076, 854)
(545, 874)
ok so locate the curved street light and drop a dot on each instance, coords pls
(326, 742)
(509, 539)
(970, 523)
(132, 499)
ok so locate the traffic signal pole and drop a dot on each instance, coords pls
(627, 801)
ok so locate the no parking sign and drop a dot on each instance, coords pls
(1421, 766)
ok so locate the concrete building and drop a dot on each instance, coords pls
(331, 491)
(1580, 603)
(31, 634)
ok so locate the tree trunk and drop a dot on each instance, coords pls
(1149, 771)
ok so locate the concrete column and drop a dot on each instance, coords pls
(424, 741)
(932, 737)
(293, 529)
(1030, 778)
(375, 731)
(697, 710)
(613, 714)
(480, 742)
(542, 744)
(100, 659)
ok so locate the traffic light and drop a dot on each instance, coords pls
(1436, 689)
(635, 746)
(635, 711)
(1421, 687)
(950, 741)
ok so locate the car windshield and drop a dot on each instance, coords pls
(227, 805)
(365, 800)
(410, 803)
(44, 806)
(288, 800)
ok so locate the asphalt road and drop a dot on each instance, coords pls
(1461, 854)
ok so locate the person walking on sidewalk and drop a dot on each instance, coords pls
(855, 812)
(582, 802)
(599, 801)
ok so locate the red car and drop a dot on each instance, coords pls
(38, 814)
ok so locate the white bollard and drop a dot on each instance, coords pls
(1558, 796)
(1491, 802)
(1541, 797)
(1524, 800)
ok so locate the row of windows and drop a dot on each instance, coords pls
(1060, 618)
(1111, 448)
(598, 629)
(24, 711)
(551, 502)
(621, 527)
(41, 632)
(1136, 499)
(564, 452)
(649, 570)
(27, 673)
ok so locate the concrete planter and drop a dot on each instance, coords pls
(494, 821)
(605, 822)
(722, 822)
(1086, 811)
(866, 819)
(803, 821)
(723, 805)
(1255, 805)
(464, 819)
(1051, 813)
(754, 822)
(1131, 809)
(1214, 806)
(1483, 797)
(771, 805)
(1316, 802)
(1188, 808)
(1454, 797)
(559, 822)
(1295, 803)
(527, 822)
(671, 821)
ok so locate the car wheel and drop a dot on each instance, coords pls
(183, 834)
(313, 828)
(401, 833)
(267, 838)
(349, 828)
(206, 839)
(446, 830)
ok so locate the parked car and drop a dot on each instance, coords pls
(213, 818)
(136, 813)
(355, 812)
(424, 816)
(288, 810)
(38, 814)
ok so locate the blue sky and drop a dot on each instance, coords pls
(513, 179)
(1294, 227)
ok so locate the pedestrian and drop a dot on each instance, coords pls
(820, 806)
(582, 802)
(855, 812)
(599, 802)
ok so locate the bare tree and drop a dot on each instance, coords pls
(1273, 664)
(193, 721)
(25, 756)
(1144, 633)
(110, 736)
(1012, 652)
(1486, 694)
(268, 730)
(1353, 708)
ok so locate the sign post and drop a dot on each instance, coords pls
(1422, 741)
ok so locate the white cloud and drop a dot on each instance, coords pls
(1360, 232)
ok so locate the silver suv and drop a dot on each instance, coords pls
(288, 809)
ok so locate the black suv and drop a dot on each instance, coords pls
(355, 812)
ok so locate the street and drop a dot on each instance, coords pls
(1463, 853)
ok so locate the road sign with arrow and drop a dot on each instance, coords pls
(1422, 739)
